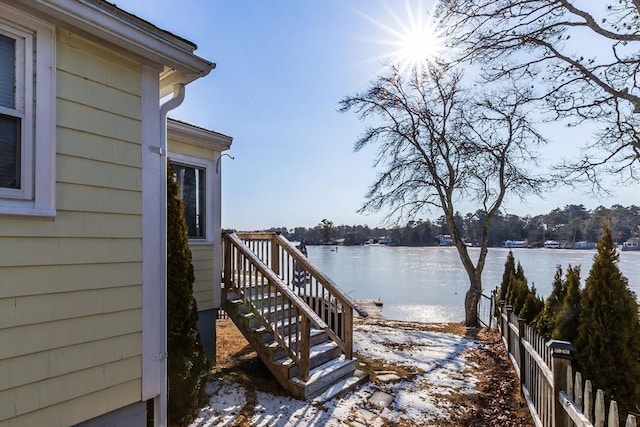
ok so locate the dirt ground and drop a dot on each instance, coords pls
(497, 403)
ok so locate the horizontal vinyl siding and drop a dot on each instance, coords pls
(70, 288)
(202, 260)
(190, 150)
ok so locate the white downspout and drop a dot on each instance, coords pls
(174, 102)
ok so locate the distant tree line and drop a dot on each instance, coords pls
(573, 223)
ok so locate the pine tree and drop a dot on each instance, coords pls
(532, 307)
(509, 270)
(608, 343)
(188, 367)
(520, 292)
(566, 323)
(545, 322)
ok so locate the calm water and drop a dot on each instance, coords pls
(428, 284)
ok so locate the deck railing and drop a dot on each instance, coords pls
(555, 398)
(311, 285)
(280, 310)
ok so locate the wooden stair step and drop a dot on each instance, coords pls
(323, 376)
(343, 386)
(317, 337)
(318, 355)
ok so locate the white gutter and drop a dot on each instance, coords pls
(174, 102)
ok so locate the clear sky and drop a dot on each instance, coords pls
(282, 68)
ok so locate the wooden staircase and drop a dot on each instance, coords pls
(298, 321)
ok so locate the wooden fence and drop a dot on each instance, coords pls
(555, 397)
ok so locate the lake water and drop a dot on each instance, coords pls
(428, 284)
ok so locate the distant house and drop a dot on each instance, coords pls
(551, 244)
(82, 230)
(445, 240)
(583, 244)
(633, 244)
(514, 244)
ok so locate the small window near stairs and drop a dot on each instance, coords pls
(192, 189)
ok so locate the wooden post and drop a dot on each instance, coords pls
(508, 328)
(226, 279)
(561, 355)
(305, 352)
(347, 332)
(275, 255)
(501, 303)
(521, 353)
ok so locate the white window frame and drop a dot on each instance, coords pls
(35, 106)
(207, 165)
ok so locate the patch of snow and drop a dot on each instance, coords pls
(437, 358)
(227, 399)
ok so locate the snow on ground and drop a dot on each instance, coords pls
(434, 369)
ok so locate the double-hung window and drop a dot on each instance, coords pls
(192, 190)
(27, 114)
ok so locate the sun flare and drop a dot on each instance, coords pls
(417, 48)
(415, 39)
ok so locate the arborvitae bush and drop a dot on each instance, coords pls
(509, 270)
(545, 322)
(520, 293)
(515, 290)
(568, 318)
(188, 367)
(532, 307)
(608, 343)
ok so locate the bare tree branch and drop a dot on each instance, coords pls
(529, 43)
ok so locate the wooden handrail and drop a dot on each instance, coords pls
(301, 354)
(315, 271)
(324, 296)
(306, 265)
(282, 287)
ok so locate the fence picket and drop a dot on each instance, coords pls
(577, 391)
(569, 383)
(613, 420)
(599, 409)
(588, 401)
(535, 361)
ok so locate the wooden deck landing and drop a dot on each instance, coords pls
(373, 308)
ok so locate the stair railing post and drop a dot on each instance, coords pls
(304, 364)
(226, 279)
(347, 331)
(561, 355)
(275, 255)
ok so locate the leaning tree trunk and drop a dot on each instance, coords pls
(471, 300)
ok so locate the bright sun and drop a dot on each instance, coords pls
(416, 40)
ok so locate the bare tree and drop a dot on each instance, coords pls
(439, 146)
(581, 56)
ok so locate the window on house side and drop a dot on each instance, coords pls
(10, 115)
(27, 121)
(192, 190)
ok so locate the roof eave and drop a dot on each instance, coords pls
(193, 135)
(120, 28)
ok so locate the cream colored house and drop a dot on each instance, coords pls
(83, 148)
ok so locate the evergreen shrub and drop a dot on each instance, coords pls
(188, 366)
(608, 342)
